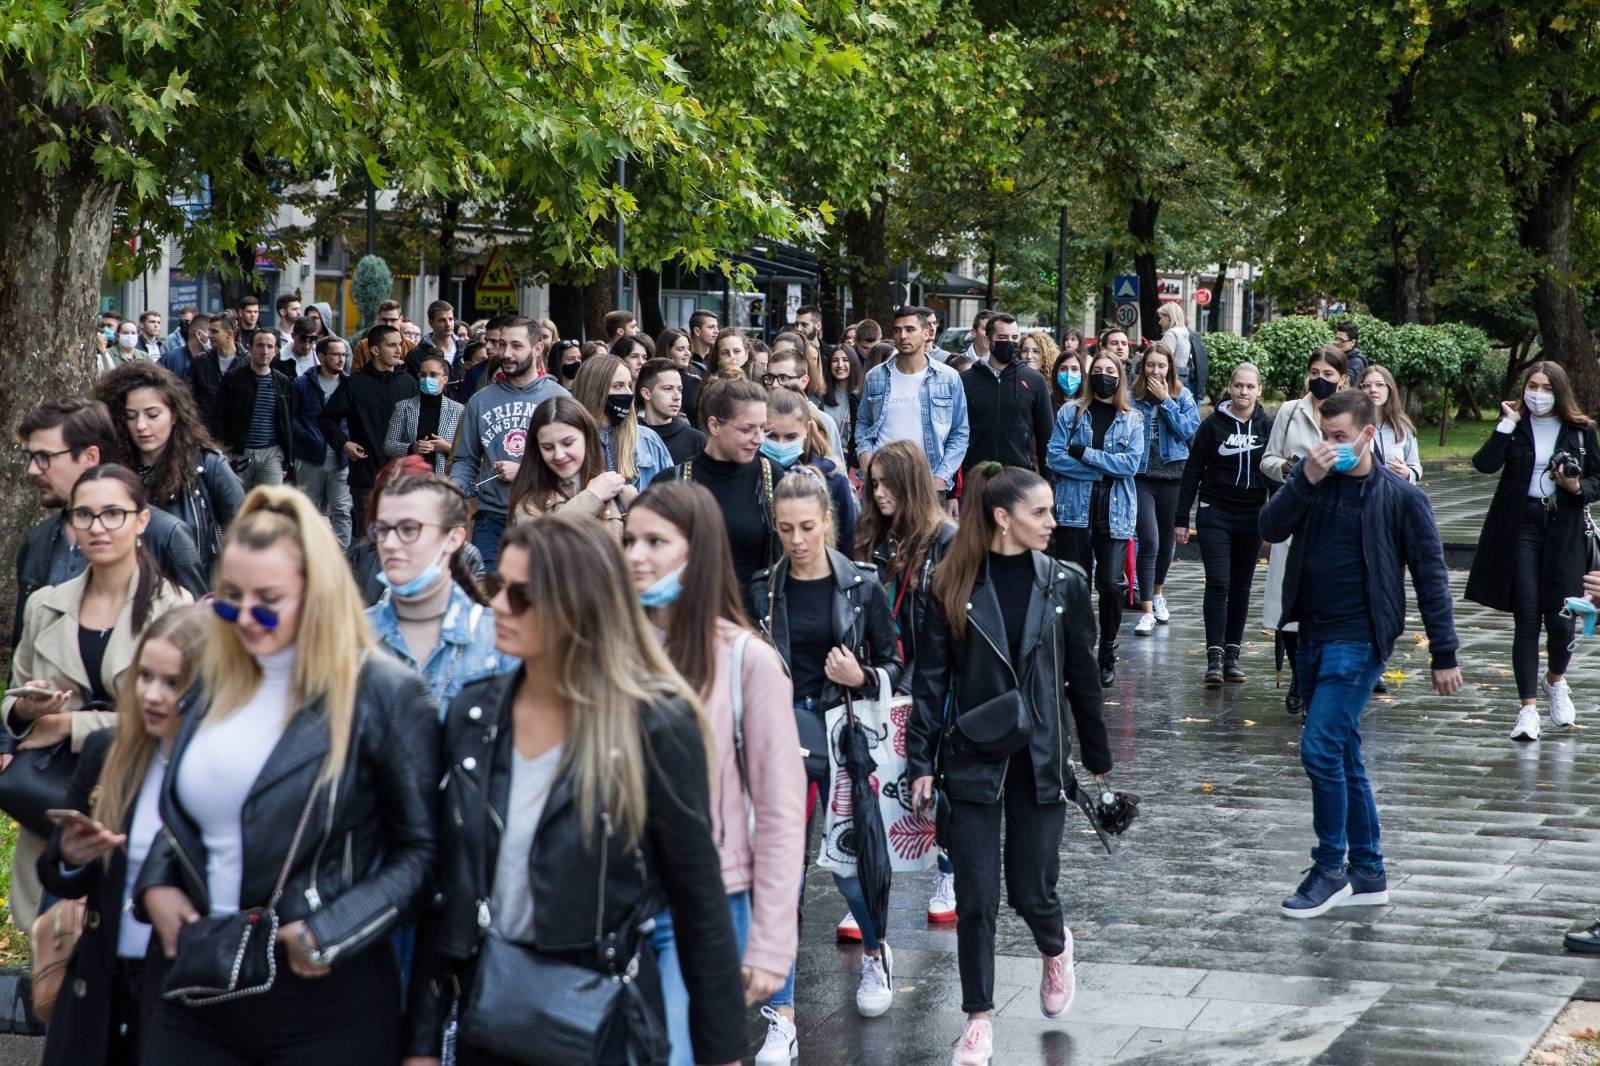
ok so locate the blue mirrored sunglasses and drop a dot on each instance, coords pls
(266, 617)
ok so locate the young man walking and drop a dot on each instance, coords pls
(1357, 528)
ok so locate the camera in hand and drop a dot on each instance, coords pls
(1565, 464)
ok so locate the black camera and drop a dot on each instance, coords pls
(1565, 464)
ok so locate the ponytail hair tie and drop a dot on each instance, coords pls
(992, 468)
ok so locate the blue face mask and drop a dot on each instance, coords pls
(664, 592)
(782, 454)
(421, 582)
(430, 387)
(1069, 381)
(1348, 458)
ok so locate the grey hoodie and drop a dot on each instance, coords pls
(494, 427)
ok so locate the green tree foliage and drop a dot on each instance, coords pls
(1282, 347)
(1226, 351)
(371, 286)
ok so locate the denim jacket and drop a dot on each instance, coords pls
(465, 652)
(944, 416)
(1180, 417)
(650, 454)
(1120, 459)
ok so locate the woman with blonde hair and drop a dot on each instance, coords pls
(579, 798)
(1397, 436)
(604, 386)
(299, 800)
(117, 787)
(1179, 339)
(1039, 351)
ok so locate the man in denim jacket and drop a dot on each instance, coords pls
(914, 398)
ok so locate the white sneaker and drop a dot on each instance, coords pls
(1145, 626)
(875, 992)
(1562, 712)
(942, 904)
(1527, 727)
(781, 1046)
(1158, 607)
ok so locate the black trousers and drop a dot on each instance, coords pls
(1230, 544)
(1032, 866)
(1158, 515)
(1526, 617)
(1105, 560)
(350, 1017)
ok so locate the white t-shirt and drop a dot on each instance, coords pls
(1545, 431)
(902, 418)
(133, 936)
(511, 899)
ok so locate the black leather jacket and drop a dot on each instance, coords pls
(914, 604)
(208, 506)
(861, 619)
(1058, 654)
(674, 865)
(365, 857)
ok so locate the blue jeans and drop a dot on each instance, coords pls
(674, 993)
(856, 900)
(1336, 677)
(487, 529)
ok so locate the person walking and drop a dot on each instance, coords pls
(1296, 430)
(1346, 337)
(604, 386)
(917, 398)
(675, 540)
(322, 471)
(1224, 471)
(355, 419)
(182, 468)
(1008, 403)
(795, 438)
(1096, 448)
(1532, 553)
(425, 424)
(306, 762)
(841, 395)
(662, 391)
(253, 414)
(1171, 417)
(1352, 536)
(1066, 381)
(1397, 437)
(113, 977)
(578, 788)
(568, 472)
(831, 623)
(1009, 629)
(362, 558)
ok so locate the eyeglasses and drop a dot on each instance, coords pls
(266, 617)
(517, 596)
(111, 518)
(783, 380)
(42, 459)
(408, 531)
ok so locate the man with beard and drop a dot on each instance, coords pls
(494, 430)
(356, 417)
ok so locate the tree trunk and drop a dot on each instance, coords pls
(1142, 228)
(243, 258)
(445, 256)
(1213, 310)
(867, 244)
(1546, 231)
(54, 238)
(566, 310)
(599, 299)
(830, 270)
(648, 282)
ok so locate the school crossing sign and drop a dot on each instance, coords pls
(496, 289)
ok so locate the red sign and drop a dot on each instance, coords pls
(1202, 296)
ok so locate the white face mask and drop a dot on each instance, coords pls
(1539, 403)
(126, 341)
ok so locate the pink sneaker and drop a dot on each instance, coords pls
(1058, 984)
(977, 1044)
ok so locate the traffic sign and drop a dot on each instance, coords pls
(1125, 289)
(1202, 296)
(1169, 287)
(1127, 315)
(496, 289)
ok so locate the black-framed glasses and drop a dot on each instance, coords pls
(265, 616)
(408, 531)
(111, 518)
(786, 381)
(42, 459)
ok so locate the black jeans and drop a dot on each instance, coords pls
(1526, 616)
(1230, 544)
(1033, 865)
(351, 1016)
(1158, 515)
(1105, 560)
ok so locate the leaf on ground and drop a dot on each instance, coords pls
(1208, 788)
(1198, 721)
(1394, 675)
(1248, 722)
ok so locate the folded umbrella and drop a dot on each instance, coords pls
(867, 838)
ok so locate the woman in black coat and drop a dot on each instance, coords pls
(1011, 629)
(1532, 552)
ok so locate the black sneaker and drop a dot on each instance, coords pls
(1213, 666)
(1293, 703)
(1368, 888)
(1231, 670)
(1318, 894)
(1108, 674)
(1586, 941)
(1381, 688)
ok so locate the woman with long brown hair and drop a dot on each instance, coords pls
(675, 541)
(1171, 417)
(569, 474)
(117, 786)
(1397, 436)
(1009, 629)
(604, 386)
(579, 798)
(1532, 553)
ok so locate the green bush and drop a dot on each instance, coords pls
(1226, 351)
(370, 287)
(1282, 346)
(1418, 356)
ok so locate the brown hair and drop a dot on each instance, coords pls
(150, 576)
(591, 387)
(1086, 391)
(454, 513)
(173, 473)
(1392, 413)
(902, 468)
(989, 485)
(1138, 390)
(535, 480)
(1566, 408)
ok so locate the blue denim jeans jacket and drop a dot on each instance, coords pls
(1120, 459)
(464, 654)
(944, 416)
(1180, 417)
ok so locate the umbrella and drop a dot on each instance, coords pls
(1106, 819)
(868, 841)
(1277, 655)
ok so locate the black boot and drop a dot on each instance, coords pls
(1231, 669)
(1292, 702)
(1108, 665)
(1213, 665)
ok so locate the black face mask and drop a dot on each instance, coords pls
(1322, 388)
(1004, 352)
(1104, 385)
(570, 370)
(619, 407)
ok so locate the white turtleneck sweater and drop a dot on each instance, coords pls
(220, 767)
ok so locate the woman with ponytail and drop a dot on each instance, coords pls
(1009, 629)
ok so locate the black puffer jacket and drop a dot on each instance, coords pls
(913, 602)
(861, 619)
(365, 856)
(1058, 657)
(674, 865)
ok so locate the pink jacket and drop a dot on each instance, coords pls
(768, 862)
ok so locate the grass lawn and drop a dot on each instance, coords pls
(1460, 440)
(13, 941)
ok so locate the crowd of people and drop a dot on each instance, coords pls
(461, 696)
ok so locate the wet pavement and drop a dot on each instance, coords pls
(1183, 957)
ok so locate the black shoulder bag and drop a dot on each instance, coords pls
(537, 1010)
(224, 957)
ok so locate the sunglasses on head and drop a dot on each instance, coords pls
(265, 617)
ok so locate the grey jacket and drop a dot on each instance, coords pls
(494, 427)
(403, 428)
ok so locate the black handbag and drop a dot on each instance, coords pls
(997, 728)
(813, 729)
(224, 957)
(37, 781)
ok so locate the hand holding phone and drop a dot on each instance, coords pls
(83, 840)
(30, 692)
